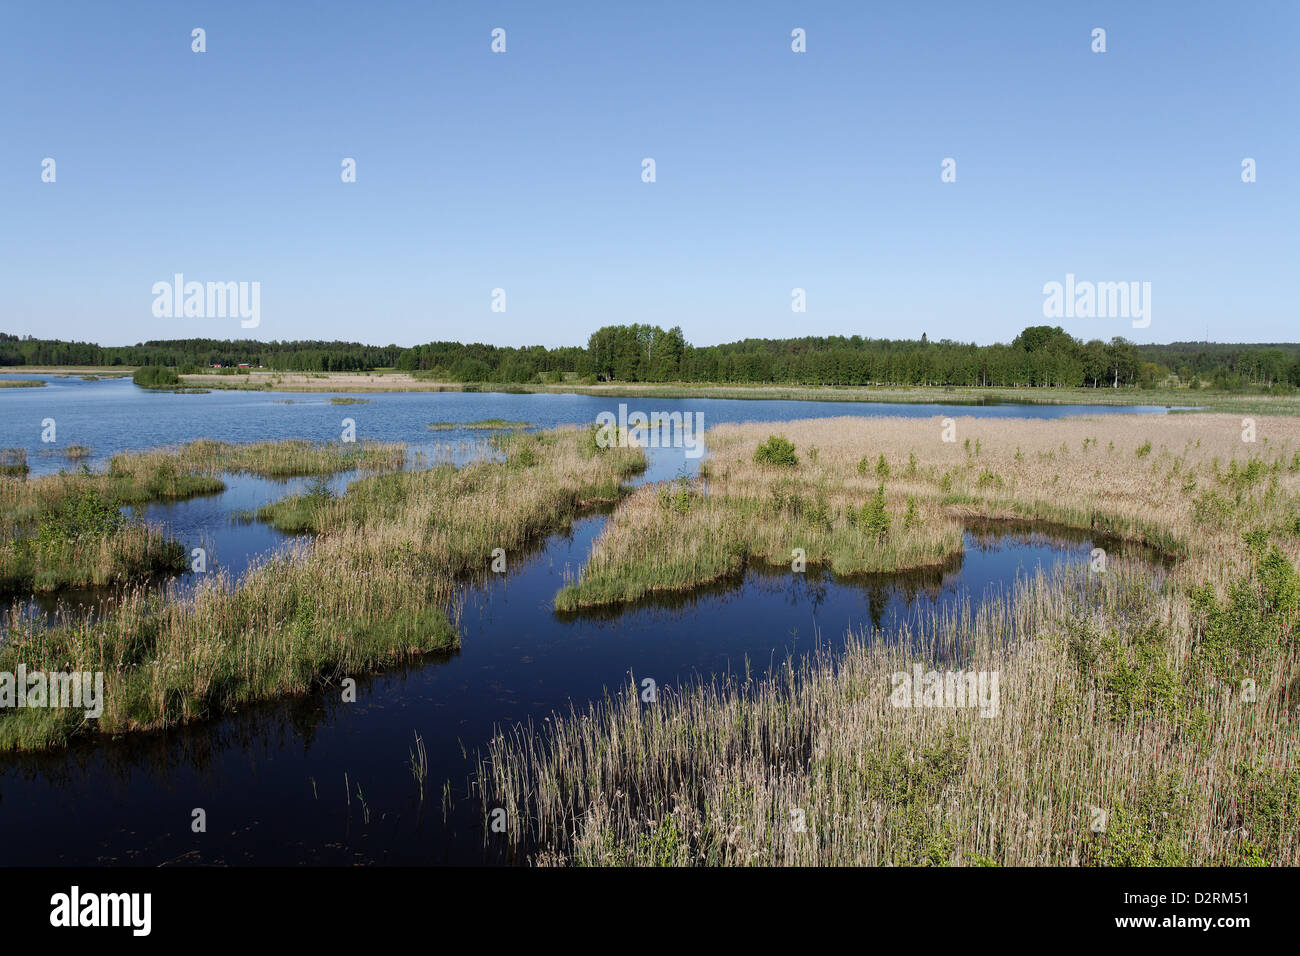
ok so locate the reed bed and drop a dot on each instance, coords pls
(378, 583)
(13, 463)
(66, 530)
(1186, 486)
(1146, 716)
(268, 459)
(1113, 744)
(482, 424)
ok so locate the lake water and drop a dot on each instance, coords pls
(279, 782)
(112, 415)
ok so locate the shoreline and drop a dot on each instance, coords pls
(1180, 400)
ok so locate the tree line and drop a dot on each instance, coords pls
(1040, 356)
(196, 354)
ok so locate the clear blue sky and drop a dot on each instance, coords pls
(523, 171)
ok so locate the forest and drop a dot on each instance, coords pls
(1040, 356)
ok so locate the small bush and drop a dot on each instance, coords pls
(525, 457)
(776, 451)
(872, 519)
(677, 496)
(85, 514)
(1238, 634)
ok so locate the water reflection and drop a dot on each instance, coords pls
(312, 779)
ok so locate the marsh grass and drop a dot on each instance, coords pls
(377, 584)
(1104, 704)
(51, 535)
(1158, 701)
(13, 463)
(484, 424)
(881, 495)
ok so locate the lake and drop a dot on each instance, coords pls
(315, 780)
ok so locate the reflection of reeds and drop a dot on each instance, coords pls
(419, 765)
(47, 541)
(1122, 737)
(13, 462)
(1078, 473)
(376, 586)
(1103, 703)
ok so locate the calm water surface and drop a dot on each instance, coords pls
(280, 781)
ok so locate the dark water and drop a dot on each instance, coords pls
(315, 780)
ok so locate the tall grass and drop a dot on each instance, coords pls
(1147, 716)
(379, 583)
(53, 531)
(1106, 476)
(13, 463)
(1105, 705)
(483, 424)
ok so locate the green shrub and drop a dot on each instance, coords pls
(1151, 831)
(83, 514)
(1265, 812)
(1259, 614)
(872, 519)
(776, 451)
(155, 376)
(525, 457)
(677, 496)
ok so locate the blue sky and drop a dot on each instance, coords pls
(522, 170)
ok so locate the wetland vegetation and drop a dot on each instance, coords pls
(376, 584)
(1162, 696)
(70, 530)
(1162, 703)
